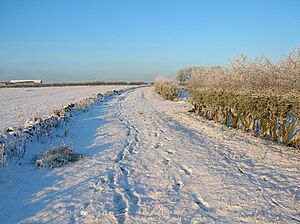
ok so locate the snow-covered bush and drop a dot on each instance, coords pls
(167, 88)
(257, 96)
(57, 156)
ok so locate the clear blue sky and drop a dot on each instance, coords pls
(71, 40)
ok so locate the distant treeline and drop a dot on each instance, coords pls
(91, 83)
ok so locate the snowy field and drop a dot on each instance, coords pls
(18, 104)
(151, 161)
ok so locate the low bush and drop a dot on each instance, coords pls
(167, 88)
(57, 156)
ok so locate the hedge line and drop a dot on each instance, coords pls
(257, 96)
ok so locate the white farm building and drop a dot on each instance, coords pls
(25, 81)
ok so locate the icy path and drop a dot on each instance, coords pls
(152, 162)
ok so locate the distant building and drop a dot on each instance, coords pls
(25, 81)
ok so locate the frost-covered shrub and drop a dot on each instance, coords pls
(257, 96)
(184, 75)
(260, 74)
(57, 156)
(168, 89)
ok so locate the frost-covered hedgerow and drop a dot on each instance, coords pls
(167, 88)
(257, 96)
(57, 156)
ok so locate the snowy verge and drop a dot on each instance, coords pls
(13, 141)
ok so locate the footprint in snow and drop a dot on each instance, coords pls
(120, 207)
(156, 145)
(124, 169)
(166, 161)
(177, 185)
(202, 203)
(134, 198)
(186, 170)
(170, 152)
(111, 180)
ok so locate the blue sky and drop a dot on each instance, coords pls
(72, 40)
